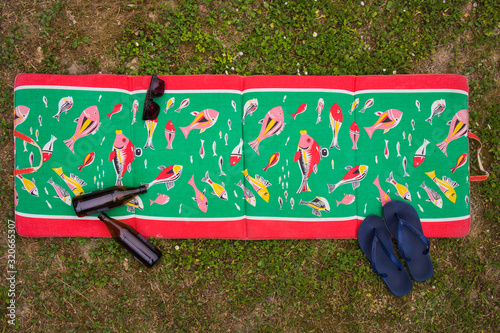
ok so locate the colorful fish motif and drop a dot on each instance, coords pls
(135, 202)
(169, 133)
(401, 190)
(89, 158)
(61, 192)
(420, 154)
(249, 108)
(354, 134)
(460, 162)
(28, 185)
(446, 185)
(354, 105)
(318, 205)
(273, 160)
(336, 119)
(203, 120)
(135, 107)
(434, 197)
(319, 108)
(21, 112)
(386, 150)
(117, 108)
(249, 196)
(236, 154)
(436, 109)
(65, 104)
(386, 121)
(48, 148)
(368, 104)
(259, 184)
(184, 104)
(308, 155)
(218, 190)
(74, 183)
(87, 123)
(221, 160)
(384, 196)
(302, 108)
(405, 162)
(459, 126)
(353, 176)
(161, 199)
(199, 197)
(122, 155)
(347, 200)
(170, 104)
(167, 176)
(202, 149)
(272, 124)
(150, 126)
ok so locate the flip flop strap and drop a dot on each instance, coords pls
(403, 223)
(375, 242)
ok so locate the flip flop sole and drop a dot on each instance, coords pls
(397, 279)
(420, 265)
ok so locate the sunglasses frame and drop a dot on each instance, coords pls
(147, 112)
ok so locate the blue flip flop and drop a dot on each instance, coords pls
(376, 243)
(404, 224)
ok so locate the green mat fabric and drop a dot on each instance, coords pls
(261, 157)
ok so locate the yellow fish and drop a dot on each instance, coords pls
(74, 183)
(446, 185)
(29, 185)
(401, 190)
(259, 184)
(218, 190)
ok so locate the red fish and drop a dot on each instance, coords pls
(200, 197)
(202, 121)
(167, 176)
(302, 108)
(354, 133)
(116, 109)
(273, 160)
(122, 155)
(461, 161)
(87, 160)
(387, 120)
(170, 133)
(319, 108)
(184, 104)
(420, 154)
(87, 123)
(48, 148)
(459, 126)
(135, 107)
(273, 123)
(308, 155)
(386, 150)
(202, 150)
(354, 176)
(236, 154)
(336, 119)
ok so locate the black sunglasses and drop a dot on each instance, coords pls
(151, 108)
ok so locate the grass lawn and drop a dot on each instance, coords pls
(86, 284)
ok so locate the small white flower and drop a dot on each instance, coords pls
(286, 2)
(384, 69)
(240, 53)
(232, 68)
(298, 64)
(226, 72)
(394, 72)
(412, 54)
(315, 34)
(177, 247)
(475, 4)
(305, 72)
(136, 44)
(362, 3)
(284, 37)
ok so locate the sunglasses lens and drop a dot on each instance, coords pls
(151, 111)
(157, 87)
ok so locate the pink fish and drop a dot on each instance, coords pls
(319, 108)
(167, 176)
(420, 154)
(459, 126)
(200, 197)
(116, 109)
(21, 112)
(308, 155)
(273, 160)
(347, 200)
(354, 176)
(273, 123)
(236, 154)
(122, 155)
(336, 119)
(354, 133)
(202, 121)
(170, 133)
(87, 123)
(384, 196)
(461, 161)
(387, 120)
(135, 107)
(87, 160)
(150, 126)
(48, 148)
(302, 108)
(160, 200)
